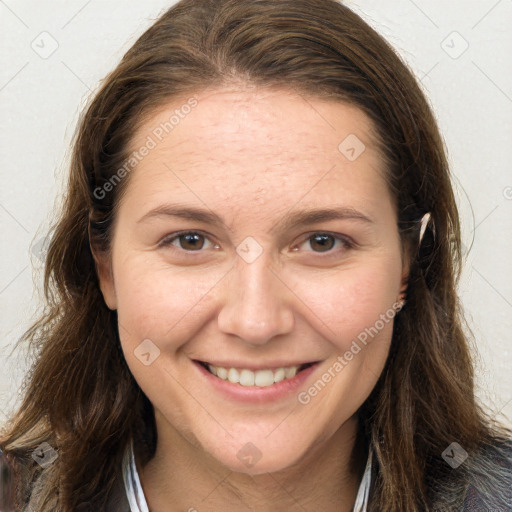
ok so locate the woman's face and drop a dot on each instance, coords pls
(257, 280)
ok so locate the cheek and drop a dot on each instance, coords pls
(343, 304)
(354, 312)
(159, 303)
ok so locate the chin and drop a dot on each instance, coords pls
(259, 456)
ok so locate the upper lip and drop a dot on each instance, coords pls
(274, 365)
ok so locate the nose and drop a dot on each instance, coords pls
(256, 303)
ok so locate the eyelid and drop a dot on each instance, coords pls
(346, 241)
(167, 240)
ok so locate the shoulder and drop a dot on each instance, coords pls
(481, 482)
(40, 491)
(118, 501)
(489, 485)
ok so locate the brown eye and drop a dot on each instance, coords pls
(191, 241)
(188, 241)
(331, 244)
(322, 242)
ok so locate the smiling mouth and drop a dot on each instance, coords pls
(260, 378)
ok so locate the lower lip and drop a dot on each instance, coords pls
(256, 394)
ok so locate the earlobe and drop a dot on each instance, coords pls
(405, 280)
(404, 284)
(106, 279)
(402, 297)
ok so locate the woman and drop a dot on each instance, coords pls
(251, 286)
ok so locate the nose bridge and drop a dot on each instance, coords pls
(255, 307)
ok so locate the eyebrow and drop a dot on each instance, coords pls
(290, 220)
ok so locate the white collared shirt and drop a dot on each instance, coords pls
(137, 500)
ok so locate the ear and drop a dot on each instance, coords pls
(404, 283)
(406, 266)
(103, 264)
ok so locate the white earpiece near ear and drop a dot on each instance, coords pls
(424, 223)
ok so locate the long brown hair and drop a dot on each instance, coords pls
(80, 395)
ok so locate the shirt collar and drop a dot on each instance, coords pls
(137, 500)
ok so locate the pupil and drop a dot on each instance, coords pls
(324, 241)
(191, 238)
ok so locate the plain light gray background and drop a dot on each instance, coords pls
(53, 55)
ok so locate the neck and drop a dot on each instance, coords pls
(326, 478)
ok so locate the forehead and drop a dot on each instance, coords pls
(258, 144)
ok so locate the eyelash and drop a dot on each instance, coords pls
(346, 242)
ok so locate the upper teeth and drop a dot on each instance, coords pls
(249, 378)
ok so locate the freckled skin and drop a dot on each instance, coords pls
(252, 156)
